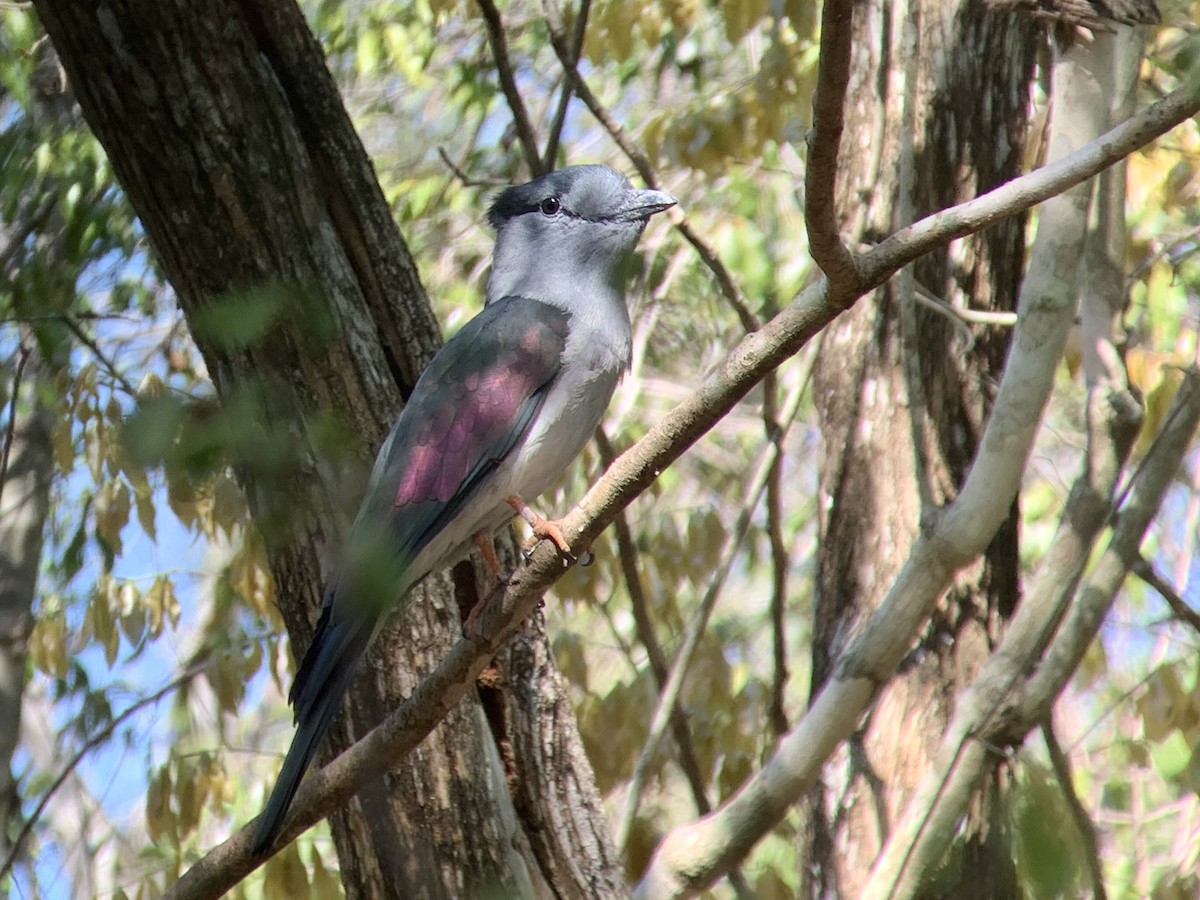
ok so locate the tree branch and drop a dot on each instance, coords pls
(999, 709)
(10, 432)
(729, 289)
(1079, 814)
(508, 85)
(824, 141)
(91, 744)
(836, 711)
(1049, 291)
(564, 99)
(1145, 570)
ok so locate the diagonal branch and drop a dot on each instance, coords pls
(668, 699)
(100, 737)
(824, 140)
(1079, 814)
(508, 85)
(802, 752)
(729, 289)
(564, 99)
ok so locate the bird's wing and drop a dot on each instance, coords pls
(468, 410)
(470, 407)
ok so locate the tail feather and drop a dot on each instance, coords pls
(321, 680)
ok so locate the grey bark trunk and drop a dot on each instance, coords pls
(902, 405)
(229, 137)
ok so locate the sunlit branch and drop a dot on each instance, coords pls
(91, 744)
(508, 85)
(807, 745)
(668, 699)
(1061, 765)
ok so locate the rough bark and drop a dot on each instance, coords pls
(231, 142)
(903, 402)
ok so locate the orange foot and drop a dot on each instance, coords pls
(543, 529)
(483, 540)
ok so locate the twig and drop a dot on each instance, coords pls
(92, 743)
(805, 748)
(708, 256)
(508, 85)
(780, 558)
(564, 98)
(23, 357)
(669, 697)
(1145, 570)
(627, 555)
(824, 140)
(644, 626)
(776, 709)
(109, 366)
(464, 179)
(1079, 814)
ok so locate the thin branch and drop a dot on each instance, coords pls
(668, 699)
(644, 626)
(780, 563)
(508, 85)
(1145, 570)
(463, 178)
(564, 99)
(1021, 193)
(109, 366)
(10, 432)
(1079, 814)
(883, 643)
(729, 289)
(91, 744)
(824, 140)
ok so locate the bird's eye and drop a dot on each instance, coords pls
(550, 206)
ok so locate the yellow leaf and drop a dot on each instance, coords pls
(111, 510)
(63, 441)
(228, 507)
(93, 453)
(48, 650)
(158, 805)
(133, 614)
(151, 388)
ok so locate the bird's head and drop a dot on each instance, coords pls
(568, 233)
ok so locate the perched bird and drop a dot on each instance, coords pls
(499, 413)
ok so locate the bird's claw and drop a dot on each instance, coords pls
(543, 529)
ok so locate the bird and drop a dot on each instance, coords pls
(498, 414)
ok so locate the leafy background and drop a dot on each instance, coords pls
(153, 576)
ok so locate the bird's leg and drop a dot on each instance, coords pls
(483, 540)
(542, 528)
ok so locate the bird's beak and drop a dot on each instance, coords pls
(641, 204)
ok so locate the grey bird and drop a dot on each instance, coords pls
(501, 410)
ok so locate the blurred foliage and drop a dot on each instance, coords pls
(718, 96)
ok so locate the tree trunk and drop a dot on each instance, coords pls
(24, 505)
(227, 133)
(903, 399)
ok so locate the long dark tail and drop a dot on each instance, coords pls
(321, 681)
